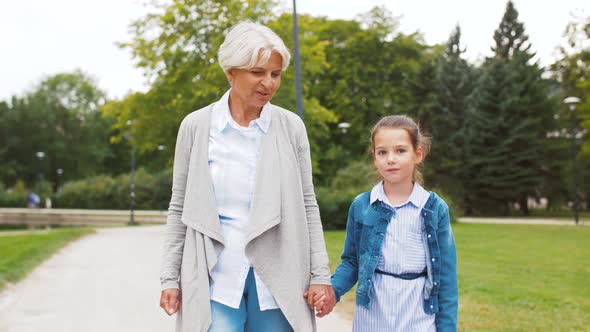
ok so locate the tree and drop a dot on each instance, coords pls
(186, 77)
(451, 82)
(317, 117)
(8, 168)
(61, 118)
(176, 46)
(508, 126)
(370, 66)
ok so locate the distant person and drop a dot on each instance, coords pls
(244, 240)
(33, 200)
(399, 246)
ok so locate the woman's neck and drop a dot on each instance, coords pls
(398, 193)
(241, 113)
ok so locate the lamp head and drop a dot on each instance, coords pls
(571, 100)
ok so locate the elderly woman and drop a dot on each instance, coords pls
(243, 238)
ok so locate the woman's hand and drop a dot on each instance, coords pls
(321, 298)
(170, 300)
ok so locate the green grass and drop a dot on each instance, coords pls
(22, 251)
(561, 215)
(514, 277)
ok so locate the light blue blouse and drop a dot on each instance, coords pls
(233, 157)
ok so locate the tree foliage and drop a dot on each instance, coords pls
(176, 46)
(572, 74)
(447, 84)
(61, 118)
(370, 67)
(500, 134)
(178, 49)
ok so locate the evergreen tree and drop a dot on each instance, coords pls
(453, 85)
(510, 37)
(489, 178)
(508, 126)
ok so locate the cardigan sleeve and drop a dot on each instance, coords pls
(175, 230)
(320, 271)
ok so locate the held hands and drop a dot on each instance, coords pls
(321, 298)
(170, 300)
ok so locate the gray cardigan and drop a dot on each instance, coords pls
(285, 242)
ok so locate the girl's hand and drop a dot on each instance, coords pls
(321, 298)
(170, 300)
(317, 300)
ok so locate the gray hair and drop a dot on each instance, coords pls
(247, 43)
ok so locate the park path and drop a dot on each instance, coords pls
(107, 281)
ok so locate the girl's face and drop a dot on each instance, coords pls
(395, 157)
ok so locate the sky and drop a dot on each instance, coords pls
(40, 38)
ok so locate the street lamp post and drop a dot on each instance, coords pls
(344, 128)
(40, 155)
(298, 89)
(132, 178)
(132, 186)
(571, 102)
(60, 173)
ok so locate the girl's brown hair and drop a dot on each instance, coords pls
(418, 139)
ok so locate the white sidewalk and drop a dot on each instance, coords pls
(105, 282)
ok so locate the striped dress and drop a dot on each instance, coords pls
(397, 304)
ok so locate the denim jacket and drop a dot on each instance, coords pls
(365, 231)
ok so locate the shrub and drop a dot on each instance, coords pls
(105, 192)
(17, 196)
(92, 193)
(12, 199)
(334, 200)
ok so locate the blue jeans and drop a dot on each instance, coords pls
(248, 317)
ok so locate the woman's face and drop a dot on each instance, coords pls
(256, 86)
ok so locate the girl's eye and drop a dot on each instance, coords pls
(401, 151)
(381, 153)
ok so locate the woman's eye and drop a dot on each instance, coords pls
(275, 74)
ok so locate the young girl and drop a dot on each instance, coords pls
(399, 245)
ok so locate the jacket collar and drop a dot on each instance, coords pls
(428, 209)
(429, 205)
